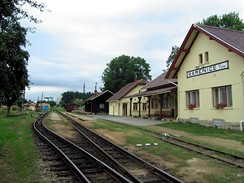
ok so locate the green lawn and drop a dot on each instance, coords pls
(177, 155)
(18, 153)
(200, 130)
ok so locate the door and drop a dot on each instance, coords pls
(124, 109)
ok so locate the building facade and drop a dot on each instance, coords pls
(97, 103)
(119, 105)
(159, 98)
(210, 71)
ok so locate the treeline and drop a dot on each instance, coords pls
(74, 97)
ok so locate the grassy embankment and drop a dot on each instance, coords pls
(18, 154)
(178, 156)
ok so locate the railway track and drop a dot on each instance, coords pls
(237, 161)
(52, 165)
(225, 157)
(83, 165)
(131, 166)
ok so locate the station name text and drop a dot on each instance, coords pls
(209, 69)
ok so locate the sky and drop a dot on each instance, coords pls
(77, 38)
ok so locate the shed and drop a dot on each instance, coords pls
(97, 103)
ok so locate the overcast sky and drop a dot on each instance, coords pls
(79, 37)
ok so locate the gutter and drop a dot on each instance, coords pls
(173, 82)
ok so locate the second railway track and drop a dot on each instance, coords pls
(131, 166)
(225, 157)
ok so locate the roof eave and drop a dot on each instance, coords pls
(220, 41)
(173, 69)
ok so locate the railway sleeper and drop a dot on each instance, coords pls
(63, 173)
(99, 176)
(83, 166)
(152, 179)
(59, 168)
(80, 162)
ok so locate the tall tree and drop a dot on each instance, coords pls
(123, 70)
(230, 21)
(13, 63)
(174, 51)
(13, 58)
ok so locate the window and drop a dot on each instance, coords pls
(134, 106)
(101, 106)
(222, 96)
(192, 99)
(144, 106)
(206, 57)
(200, 58)
(154, 103)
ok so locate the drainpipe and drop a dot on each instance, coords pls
(242, 121)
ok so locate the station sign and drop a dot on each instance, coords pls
(209, 69)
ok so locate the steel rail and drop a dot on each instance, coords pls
(79, 171)
(166, 177)
(159, 136)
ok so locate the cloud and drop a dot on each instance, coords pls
(78, 38)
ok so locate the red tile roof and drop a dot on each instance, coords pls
(154, 92)
(126, 89)
(159, 82)
(233, 40)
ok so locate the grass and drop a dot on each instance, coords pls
(177, 156)
(200, 130)
(18, 154)
(111, 126)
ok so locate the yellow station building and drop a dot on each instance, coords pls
(119, 105)
(210, 71)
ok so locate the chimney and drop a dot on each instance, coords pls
(84, 88)
(95, 91)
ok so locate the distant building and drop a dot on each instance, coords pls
(45, 106)
(98, 102)
(47, 98)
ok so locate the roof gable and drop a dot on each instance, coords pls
(98, 95)
(159, 82)
(126, 89)
(231, 39)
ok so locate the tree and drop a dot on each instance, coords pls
(172, 56)
(13, 58)
(123, 70)
(73, 97)
(13, 63)
(229, 21)
(79, 102)
(13, 9)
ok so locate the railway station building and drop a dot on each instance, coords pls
(159, 98)
(210, 71)
(119, 105)
(156, 99)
